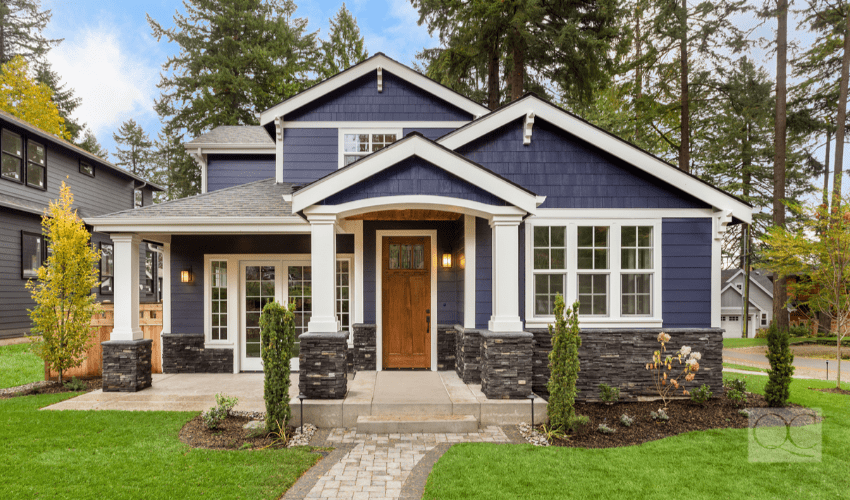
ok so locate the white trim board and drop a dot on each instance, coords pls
(366, 67)
(379, 250)
(609, 143)
(376, 124)
(200, 225)
(414, 202)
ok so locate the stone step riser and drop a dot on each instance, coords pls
(378, 425)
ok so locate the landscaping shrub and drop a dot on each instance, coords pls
(736, 397)
(563, 365)
(777, 391)
(626, 421)
(604, 429)
(608, 394)
(701, 395)
(277, 330)
(75, 384)
(577, 423)
(737, 384)
(216, 415)
(661, 366)
(801, 330)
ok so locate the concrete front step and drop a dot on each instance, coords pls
(397, 424)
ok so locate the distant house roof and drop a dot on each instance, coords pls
(32, 129)
(229, 134)
(759, 276)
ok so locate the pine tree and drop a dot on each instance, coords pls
(136, 156)
(90, 144)
(236, 58)
(21, 24)
(63, 97)
(344, 47)
(175, 169)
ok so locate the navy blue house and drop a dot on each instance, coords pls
(410, 227)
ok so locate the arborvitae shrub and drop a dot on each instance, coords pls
(777, 391)
(277, 329)
(564, 366)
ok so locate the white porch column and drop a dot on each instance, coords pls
(323, 251)
(166, 288)
(469, 284)
(505, 246)
(126, 287)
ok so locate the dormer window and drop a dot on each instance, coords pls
(356, 144)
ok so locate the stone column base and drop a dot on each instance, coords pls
(126, 365)
(322, 366)
(468, 355)
(365, 351)
(506, 368)
(446, 347)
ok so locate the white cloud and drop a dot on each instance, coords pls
(401, 38)
(114, 83)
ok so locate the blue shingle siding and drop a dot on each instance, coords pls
(483, 272)
(225, 171)
(309, 153)
(570, 172)
(430, 133)
(360, 100)
(411, 177)
(686, 273)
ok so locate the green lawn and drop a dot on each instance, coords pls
(112, 454)
(733, 343)
(744, 367)
(18, 366)
(708, 464)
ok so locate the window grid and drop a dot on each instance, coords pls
(592, 247)
(359, 144)
(259, 291)
(218, 309)
(12, 146)
(637, 294)
(300, 294)
(343, 293)
(546, 289)
(593, 294)
(636, 247)
(549, 254)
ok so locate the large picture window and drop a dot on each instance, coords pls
(218, 309)
(357, 144)
(36, 165)
(107, 268)
(12, 146)
(33, 254)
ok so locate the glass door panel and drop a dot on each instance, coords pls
(259, 281)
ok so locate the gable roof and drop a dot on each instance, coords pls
(32, 129)
(371, 64)
(604, 140)
(415, 144)
(229, 134)
(759, 277)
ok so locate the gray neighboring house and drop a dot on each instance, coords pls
(34, 165)
(732, 302)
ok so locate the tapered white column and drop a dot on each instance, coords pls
(166, 288)
(126, 287)
(469, 287)
(323, 251)
(505, 246)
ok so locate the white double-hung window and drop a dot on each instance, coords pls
(612, 267)
(357, 143)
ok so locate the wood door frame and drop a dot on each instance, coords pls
(379, 249)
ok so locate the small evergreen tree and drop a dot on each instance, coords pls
(21, 24)
(344, 47)
(64, 301)
(137, 155)
(563, 366)
(777, 391)
(63, 97)
(90, 144)
(277, 330)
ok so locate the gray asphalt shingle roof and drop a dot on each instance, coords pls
(228, 134)
(255, 199)
(760, 276)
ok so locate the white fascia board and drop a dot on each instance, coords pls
(613, 145)
(414, 202)
(231, 149)
(194, 225)
(619, 213)
(375, 124)
(428, 151)
(365, 68)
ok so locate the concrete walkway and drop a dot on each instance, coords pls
(808, 368)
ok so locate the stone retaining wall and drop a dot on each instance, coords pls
(185, 353)
(618, 358)
(323, 371)
(446, 347)
(126, 365)
(506, 368)
(468, 355)
(365, 351)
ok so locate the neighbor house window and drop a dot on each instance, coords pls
(33, 254)
(549, 267)
(300, 294)
(86, 168)
(138, 198)
(763, 319)
(107, 268)
(592, 261)
(218, 311)
(357, 144)
(150, 270)
(13, 156)
(343, 293)
(636, 263)
(36, 165)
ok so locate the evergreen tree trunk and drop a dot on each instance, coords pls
(780, 313)
(841, 119)
(826, 171)
(638, 73)
(685, 142)
(518, 70)
(493, 76)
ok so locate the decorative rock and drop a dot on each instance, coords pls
(322, 368)
(506, 371)
(185, 353)
(302, 436)
(126, 365)
(446, 347)
(365, 351)
(255, 424)
(531, 435)
(468, 355)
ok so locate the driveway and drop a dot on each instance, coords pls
(804, 367)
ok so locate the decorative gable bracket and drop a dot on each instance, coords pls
(380, 79)
(526, 130)
(278, 126)
(722, 220)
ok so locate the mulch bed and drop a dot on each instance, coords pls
(49, 387)
(833, 390)
(228, 436)
(685, 416)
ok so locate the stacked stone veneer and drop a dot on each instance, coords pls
(541, 345)
(365, 351)
(468, 355)
(185, 353)
(618, 358)
(322, 366)
(506, 368)
(126, 365)
(446, 347)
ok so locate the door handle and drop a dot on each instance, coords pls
(427, 324)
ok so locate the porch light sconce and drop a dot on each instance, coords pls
(461, 261)
(186, 275)
(447, 260)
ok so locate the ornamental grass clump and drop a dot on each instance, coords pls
(563, 366)
(778, 388)
(604, 429)
(662, 366)
(277, 330)
(626, 421)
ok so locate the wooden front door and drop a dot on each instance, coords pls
(406, 302)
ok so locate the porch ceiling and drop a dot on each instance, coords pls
(407, 215)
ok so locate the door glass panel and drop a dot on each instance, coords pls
(259, 291)
(407, 257)
(300, 296)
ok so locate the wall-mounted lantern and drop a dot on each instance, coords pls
(447, 260)
(186, 275)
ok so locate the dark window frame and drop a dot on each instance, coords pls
(100, 270)
(21, 158)
(90, 165)
(43, 251)
(141, 198)
(43, 167)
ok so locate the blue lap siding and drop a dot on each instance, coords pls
(570, 172)
(224, 171)
(360, 100)
(686, 273)
(309, 153)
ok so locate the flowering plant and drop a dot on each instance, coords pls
(665, 384)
